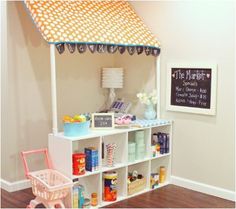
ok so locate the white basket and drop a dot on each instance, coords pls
(49, 184)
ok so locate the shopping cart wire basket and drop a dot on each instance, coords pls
(48, 185)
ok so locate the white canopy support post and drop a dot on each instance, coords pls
(158, 85)
(53, 89)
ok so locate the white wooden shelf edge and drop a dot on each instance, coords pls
(100, 133)
(120, 198)
(88, 173)
(138, 161)
(117, 166)
(161, 155)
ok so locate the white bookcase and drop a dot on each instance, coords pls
(61, 149)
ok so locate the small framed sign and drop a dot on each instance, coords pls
(192, 88)
(102, 120)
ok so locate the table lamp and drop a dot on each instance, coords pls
(112, 78)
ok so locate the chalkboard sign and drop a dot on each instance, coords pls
(102, 120)
(191, 88)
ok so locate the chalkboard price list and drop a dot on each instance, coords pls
(191, 87)
(105, 121)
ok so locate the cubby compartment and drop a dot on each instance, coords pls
(91, 184)
(138, 145)
(155, 168)
(120, 152)
(160, 141)
(91, 143)
(120, 184)
(139, 168)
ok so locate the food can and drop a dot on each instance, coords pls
(162, 176)
(78, 163)
(110, 186)
(94, 199)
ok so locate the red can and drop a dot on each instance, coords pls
(78, 163)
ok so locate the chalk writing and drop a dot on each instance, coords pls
(191, 87)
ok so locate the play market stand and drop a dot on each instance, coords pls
(103, 27)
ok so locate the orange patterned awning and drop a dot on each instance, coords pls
(97, 25)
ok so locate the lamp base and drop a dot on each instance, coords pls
(111, 98)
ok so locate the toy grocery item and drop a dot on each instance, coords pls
(160, 143)
(110, 158)
(163, 141)
(49, 186)
(76, 196)
(77, 125)
(110, 186)
(136, 182)
(81, 196)
(124, 119)
(154, 180)
(162, 176)
(91, 159)
(94, 199)
(78, 163)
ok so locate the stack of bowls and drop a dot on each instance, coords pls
(140, 145)
(131, 151)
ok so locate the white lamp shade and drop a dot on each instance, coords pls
(112, 78)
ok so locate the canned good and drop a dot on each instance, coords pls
(162, 176)
(78, 163)
(110, 186)
(154, 180)
(94, 199)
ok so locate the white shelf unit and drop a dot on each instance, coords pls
(61, 149)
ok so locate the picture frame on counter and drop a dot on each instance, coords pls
(103, 121)
(191, 88)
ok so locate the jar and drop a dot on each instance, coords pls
(94, 199)
(110, 186)
(162, 176)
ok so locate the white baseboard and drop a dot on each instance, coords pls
(204, 188)
(186, 183)
(15, 186)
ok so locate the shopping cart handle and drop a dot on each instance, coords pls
(25, 153)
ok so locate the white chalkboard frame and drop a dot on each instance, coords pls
(212, 109)
(103, 114)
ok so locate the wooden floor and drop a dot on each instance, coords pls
(166, 197)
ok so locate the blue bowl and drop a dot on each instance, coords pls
(76, 129)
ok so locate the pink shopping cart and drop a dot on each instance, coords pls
(48, 185)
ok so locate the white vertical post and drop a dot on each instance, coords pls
(158, 85)
(53, 88)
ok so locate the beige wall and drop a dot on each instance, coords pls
(201, 31)
(27, 113)
(139, 75)
(203, 148)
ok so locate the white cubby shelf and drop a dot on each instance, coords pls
(61, 149)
